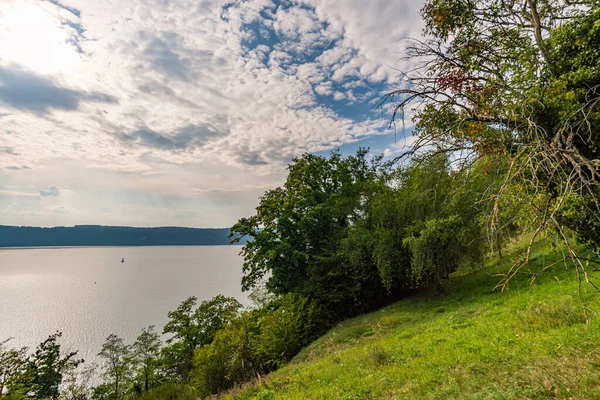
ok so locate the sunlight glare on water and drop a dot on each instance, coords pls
(87, 293)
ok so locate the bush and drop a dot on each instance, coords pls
(257, 342)
(282, 331)
(228, 360)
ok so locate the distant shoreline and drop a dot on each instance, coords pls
(111, 246)
(18, 237)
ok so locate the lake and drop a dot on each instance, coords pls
(87, 293)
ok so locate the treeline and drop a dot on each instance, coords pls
(211, 346)
(96, 235)
(355, 233)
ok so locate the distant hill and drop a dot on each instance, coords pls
(97, 235)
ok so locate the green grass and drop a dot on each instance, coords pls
(528, 342)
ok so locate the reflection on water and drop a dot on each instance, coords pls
(87, 293)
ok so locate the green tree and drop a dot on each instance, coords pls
(146, 353)
(38, 375)
(435, 249)
(77, 383)
(13, 371)
(283, 327)
(116, 369)
(229, 359)
(48, 367)
(258, 341)
(184, 337)
(298, 231)
(192, 326)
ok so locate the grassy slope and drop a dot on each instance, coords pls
(470, 343)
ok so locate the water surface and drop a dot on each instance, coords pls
(87, 293)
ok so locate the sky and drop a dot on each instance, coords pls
(184, 112)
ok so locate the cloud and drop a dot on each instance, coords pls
(17, 193)
(159, 51)
(52, 191)
(251, 159)
(17, 168)
(8, 150)
(57, 209)
(72, 10)
(137, 98)
(401, 145)
(24, 90)
(186, 137)
(324, 89)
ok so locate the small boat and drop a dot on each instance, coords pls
(123, 259)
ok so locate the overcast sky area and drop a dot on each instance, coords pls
(183, 112)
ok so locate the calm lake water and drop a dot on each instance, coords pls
(87, 293)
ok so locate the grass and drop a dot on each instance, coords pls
(528, 342)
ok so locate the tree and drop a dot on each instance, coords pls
(38, 375)
(298, 231)
(192, 327)
(13, 370)
(117, 367)
(283, 327)
(517, 82)
(229, 359)
(77, 383)
(435, 250)
(48, 367)
(146, 352)
(184, 337)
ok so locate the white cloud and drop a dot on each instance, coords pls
(166, 88)
(52, 191)
(57, 209)
(339, 96)
(400, 146)
(324, 89)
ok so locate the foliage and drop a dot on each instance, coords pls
(170, 391)
(435, 250)
(77, 383)
(297, 231)
(48, 366)
(13, 370)
(284, 327)
(518, 83)
(38, 375)
(228, 360)
(116, 370)
(257, 342)
(146, 353)
(351, 234)
(191, 328)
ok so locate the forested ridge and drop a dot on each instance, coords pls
(97, 235)
(505, 98)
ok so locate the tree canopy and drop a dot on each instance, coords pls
(352, 233)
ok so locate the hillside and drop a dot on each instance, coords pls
(97, 235)
(529, 342)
